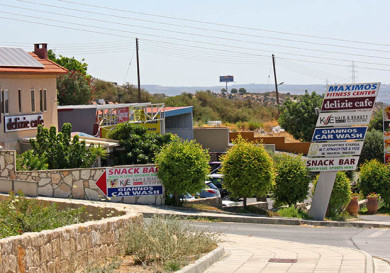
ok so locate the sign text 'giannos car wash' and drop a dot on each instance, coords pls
(131, 181)
(345, 133)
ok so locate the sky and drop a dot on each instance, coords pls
(192, 43)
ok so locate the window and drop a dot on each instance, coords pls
(20, 100)
(32, 101)
(4, 101)
(42, 100)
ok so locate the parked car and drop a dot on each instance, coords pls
(217, 180)
(210, 190)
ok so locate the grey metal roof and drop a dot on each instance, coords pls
(17, 57)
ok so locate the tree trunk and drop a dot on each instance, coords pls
(244, 202)
(177, 199)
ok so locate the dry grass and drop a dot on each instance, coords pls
(201, 207)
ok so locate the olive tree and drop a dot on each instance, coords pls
(183, 166)
(248, 170)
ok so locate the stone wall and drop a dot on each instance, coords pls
(210, 201)
(67, 183)
(68, 249)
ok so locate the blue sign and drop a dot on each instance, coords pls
(135, 191)
(346, 133)
(226, 79)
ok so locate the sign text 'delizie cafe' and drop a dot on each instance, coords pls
(336, 148)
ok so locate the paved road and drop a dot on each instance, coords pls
(374, 241)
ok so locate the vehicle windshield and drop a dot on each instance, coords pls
(211, 185)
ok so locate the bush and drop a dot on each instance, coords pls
(183, 166)
(292, 212)
(29, 161)
(248, 170)
(341, 194)
(19, 214)
(291, 181)
(374, 177)
(373, 147)
(140, 147)
(167, 242)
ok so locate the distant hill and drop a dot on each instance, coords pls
(384, 93)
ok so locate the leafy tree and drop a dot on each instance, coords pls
(59, 151)
(73, 88)
(183, 166)
(372, 147)
(376, 122)
(291, 181)
(140, 147)
(69, 63)
(248, 170)
(223, 90)
(299, 118)
(374, 177)
(233, 91)
(242, 90)
(340, 196)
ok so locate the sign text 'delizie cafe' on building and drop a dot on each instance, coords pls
(341, 127)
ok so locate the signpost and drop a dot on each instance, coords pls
(130, 181)
(336, 148)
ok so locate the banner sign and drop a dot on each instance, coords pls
(123, 114)
(226, 79)
(132, 181)
(344, 118)
(332, 164)
(363, 103)
(335, 149)
(345, 133)
(353, 90)
(22, 122)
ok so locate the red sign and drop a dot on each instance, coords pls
(348, 104)
(123, 114)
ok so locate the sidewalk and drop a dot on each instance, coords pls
(252, 255)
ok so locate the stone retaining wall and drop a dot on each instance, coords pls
(210, 201)
(67, 183)
(68, 249)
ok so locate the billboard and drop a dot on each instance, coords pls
(226, 78)
(342, 133)
(328, 119)
(335, 149)
(22, 122)
(332, 164)
(131, 181)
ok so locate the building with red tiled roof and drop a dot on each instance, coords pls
(28, 93)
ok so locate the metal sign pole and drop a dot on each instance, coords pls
(322, 194)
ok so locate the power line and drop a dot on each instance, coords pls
(223, 25)
(202, 35)
(193, 41)
(192, 27)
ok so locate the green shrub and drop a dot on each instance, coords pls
(373, 147)
(291, 181)
(183, 166)
(167, 242)
(248, 170)
(292, 212)
(374, 177)
(341, 194)
(19, 214)
(29, 161)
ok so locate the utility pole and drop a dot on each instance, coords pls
(353, 73)
(139, 81)
(276, 83)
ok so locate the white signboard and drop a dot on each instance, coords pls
(332, 164)
(352, 90)
(335, 119)
(22, 122)
(335, 149)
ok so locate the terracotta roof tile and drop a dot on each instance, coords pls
(50, 67)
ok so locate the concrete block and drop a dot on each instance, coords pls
(5, 185)
(28, 188)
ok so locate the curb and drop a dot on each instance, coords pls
(203, 263)
(274, 221)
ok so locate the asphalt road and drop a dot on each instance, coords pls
(374, 241)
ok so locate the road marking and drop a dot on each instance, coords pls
(378, 233)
